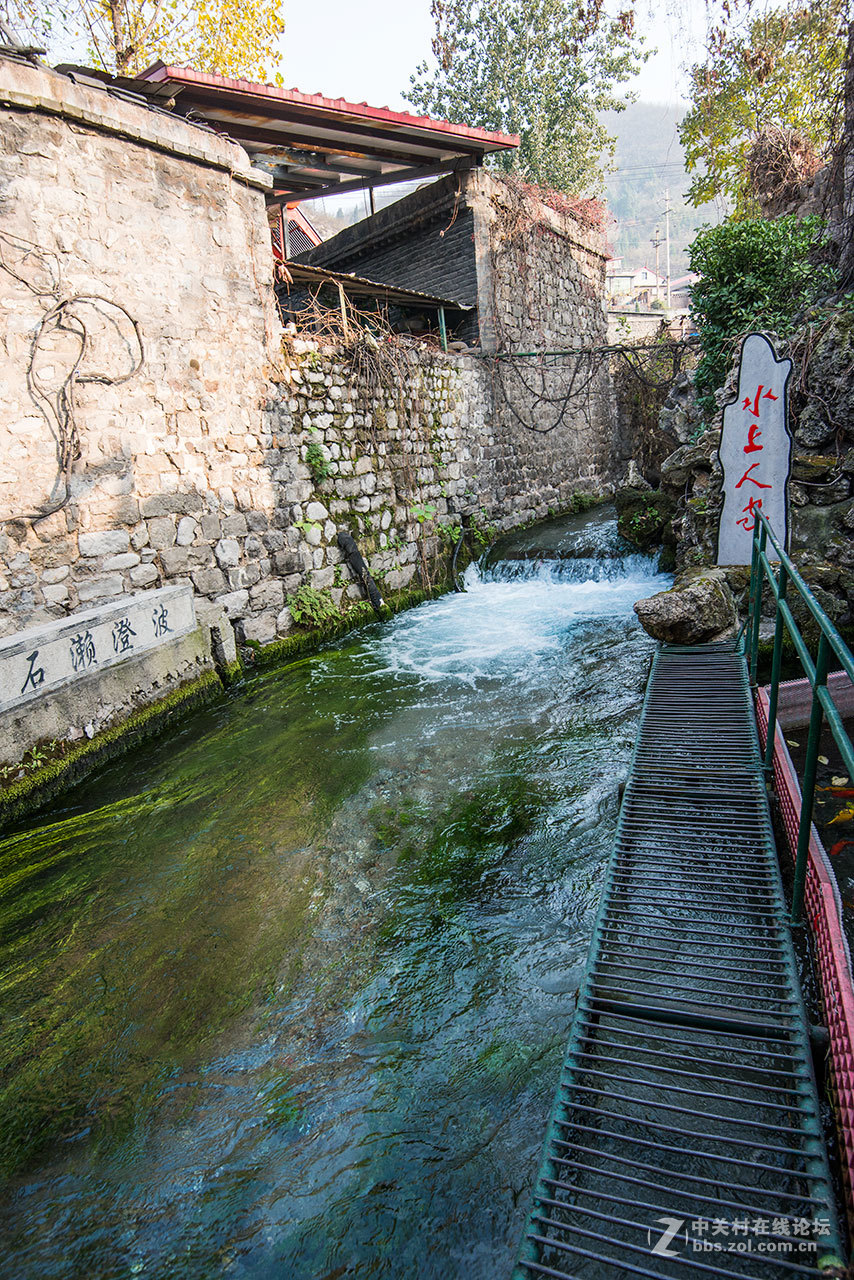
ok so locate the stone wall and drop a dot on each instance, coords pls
(115, 216)
(541, 273)
(154, 429)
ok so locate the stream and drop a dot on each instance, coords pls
(285, 992)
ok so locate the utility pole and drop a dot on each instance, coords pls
(657, 241)
(667, 237)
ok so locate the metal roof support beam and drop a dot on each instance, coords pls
(413, 174)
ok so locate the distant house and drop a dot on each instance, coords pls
(629, 286)
(680, 291)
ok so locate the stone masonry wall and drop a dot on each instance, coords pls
(541, 289)
(107, 205)
(155, 425)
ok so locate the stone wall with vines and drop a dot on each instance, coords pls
(543, 333)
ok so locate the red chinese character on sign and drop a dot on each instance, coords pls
(752, 479)
(748, 520)
(754, 408)
(752, 434)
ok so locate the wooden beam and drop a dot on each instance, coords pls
(318, 118)
(387, 179)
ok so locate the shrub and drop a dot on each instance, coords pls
(317, 462)
(754, 274)
(311, 607)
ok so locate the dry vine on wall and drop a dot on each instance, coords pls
(74, 335)
(386, 371)
(550, 386)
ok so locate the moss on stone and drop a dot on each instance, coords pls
(358, 615)
(25, 795)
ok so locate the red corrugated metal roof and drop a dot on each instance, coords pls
(314, 145)
(491, 141)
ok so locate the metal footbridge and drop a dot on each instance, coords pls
(686, 1139)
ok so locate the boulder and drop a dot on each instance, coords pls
(643, 515)
(697, 609)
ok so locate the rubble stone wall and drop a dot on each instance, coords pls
(157, 428)
(541, 274)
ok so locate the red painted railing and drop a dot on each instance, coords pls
(823, 911)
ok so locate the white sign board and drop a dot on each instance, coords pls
(36, 662)
(755, 452)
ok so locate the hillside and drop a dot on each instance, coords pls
(648, 159)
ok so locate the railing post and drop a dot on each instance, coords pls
(756, 580)
(776, 663)
(808, 792)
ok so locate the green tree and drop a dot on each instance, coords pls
(780, 77)
(228, 37)
(754, 274)
(542, 69)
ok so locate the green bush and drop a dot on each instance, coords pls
(754, 274)
(312, 608)
(317, 462)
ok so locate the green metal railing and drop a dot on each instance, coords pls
(781, 576)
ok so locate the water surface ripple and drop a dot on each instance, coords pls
(286, 992)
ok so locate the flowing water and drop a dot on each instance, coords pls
(285, 993)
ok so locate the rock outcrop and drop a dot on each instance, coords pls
(698, 608)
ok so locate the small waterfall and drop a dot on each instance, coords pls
(523, 602)
(634, 566)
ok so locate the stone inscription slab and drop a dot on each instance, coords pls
(755, 452)
(36, 662)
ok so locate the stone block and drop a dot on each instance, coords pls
(234, 525)
(186, 531)
(51, 576)
(108, 542)
(126, 561)
(286, 562)
(175, 560)
(227, 552)
(267, 595)
(100, 588)
(316, 511)
(210, 527)
(261, 628)
(321, 578)
(209, 581)
(284, 622)
(235, 603)
(245, 575)
(144, 574)
(165, 504)
(161, 532)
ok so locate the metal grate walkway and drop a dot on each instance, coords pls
(688, 1094)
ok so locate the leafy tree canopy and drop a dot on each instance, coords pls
(755, 273)
(781, 73)
(542, 69)
(228, 37)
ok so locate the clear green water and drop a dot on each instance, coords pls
(285, 993)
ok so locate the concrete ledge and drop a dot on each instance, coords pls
(25, 795)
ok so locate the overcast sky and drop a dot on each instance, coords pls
(366, 52)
